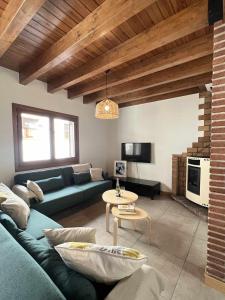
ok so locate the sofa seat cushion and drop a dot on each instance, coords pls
(44, 241)
(69, 196)
(72, 284)
(38, 222)
(91, 189)
(21, 276)
(58, 200)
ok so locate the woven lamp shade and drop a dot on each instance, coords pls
(107, 109)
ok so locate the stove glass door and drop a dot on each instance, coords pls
(194, 175)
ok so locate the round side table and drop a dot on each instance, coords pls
(110, 198)
(139, 215)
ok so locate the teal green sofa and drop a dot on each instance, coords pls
(68, 195)
(31, 269)
(21, 277)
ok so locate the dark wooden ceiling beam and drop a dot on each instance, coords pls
(167, 96)
(197, 67)
(192, 50)
(15, 17)
(166, 88)
(189, 20)
(109, 15)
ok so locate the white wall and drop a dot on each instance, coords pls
(93, 132)
(170, 125)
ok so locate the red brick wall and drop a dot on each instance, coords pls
(216, 221)
(199, 148)
(178, 174)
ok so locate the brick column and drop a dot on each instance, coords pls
(215, 270)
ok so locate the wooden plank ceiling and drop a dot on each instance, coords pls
(155, 49)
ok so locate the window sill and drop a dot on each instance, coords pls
(46, 164)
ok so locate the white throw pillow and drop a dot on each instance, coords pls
(24, 193)
(96, 174)
(35, 188)
(80, 168)
(75, 234)
(15, 207)
(103, 263)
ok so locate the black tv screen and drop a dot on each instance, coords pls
(136, 152)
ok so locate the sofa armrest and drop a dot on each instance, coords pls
(23, 193)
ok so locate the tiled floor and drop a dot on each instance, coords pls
(177, 249)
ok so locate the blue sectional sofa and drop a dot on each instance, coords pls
(69, 193)
(29, 267)
(21, 276)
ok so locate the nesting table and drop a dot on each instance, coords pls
(111, 200)
(140, 214)
(109, 197)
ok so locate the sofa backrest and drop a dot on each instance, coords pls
(66, 173)
(21, 276)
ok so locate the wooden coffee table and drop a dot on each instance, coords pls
(110, 198)
(139, 215)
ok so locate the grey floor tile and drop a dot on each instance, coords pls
(178, 209)
(187, 225)
(197, 253)
(191, 286)
(155, 208)
(202, 230)
(169, 239)
(168, 265)
(106, 238)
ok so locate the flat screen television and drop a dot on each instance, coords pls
(136, 152)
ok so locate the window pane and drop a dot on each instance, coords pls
(35, 138)
(64, 138)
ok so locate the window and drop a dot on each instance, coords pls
(44, 138)
(35, 138)
(64, 135)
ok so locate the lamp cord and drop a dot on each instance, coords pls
(106, 84)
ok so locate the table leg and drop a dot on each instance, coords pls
(148, 221)
(119, 223)
(115, 231)
(107, 211)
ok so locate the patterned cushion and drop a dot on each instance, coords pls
(101, 263)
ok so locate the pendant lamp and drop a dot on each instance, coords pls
(107, 109)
